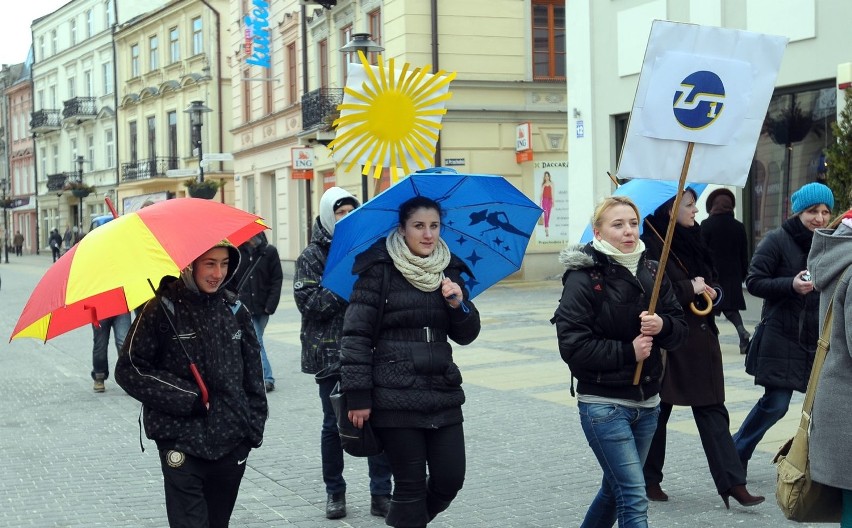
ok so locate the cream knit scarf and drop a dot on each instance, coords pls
(424, 273)
(628, 260)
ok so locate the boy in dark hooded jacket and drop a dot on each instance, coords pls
(204, 435)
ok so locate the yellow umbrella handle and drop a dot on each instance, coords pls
(705, 311)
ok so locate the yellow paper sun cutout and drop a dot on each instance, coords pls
(391, 119)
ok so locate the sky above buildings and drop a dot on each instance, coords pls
(15, 22)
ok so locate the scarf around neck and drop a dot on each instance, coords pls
(628, 260)
(424, 273)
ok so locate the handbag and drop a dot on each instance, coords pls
(754, 343)
(361, 442)
(800, 498)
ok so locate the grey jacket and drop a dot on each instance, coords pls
(831, 429)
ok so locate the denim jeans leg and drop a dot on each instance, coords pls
(620, 438)
(120, 327)
(380, 474)
(100, 363)
(259, 322)
(770, 408)
(330, 448)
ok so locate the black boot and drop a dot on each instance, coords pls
(435, 505)
(407, 514)
(335, 506)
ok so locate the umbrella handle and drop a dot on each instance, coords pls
(462, 305)
(200, 382)
(705, 311)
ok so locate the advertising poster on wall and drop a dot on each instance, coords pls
(551, 194)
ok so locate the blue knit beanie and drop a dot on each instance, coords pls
(810, 195)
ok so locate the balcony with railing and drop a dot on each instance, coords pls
(319, 107)
(55, 182)
(147, 168)
(79, 109)
(45, 121)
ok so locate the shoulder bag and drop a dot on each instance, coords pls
(754, 343)
(800, 498)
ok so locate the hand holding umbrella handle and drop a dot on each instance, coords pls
(201, 385)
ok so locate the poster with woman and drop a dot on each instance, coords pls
(551, 187)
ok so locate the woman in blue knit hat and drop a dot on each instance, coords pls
(777, 274)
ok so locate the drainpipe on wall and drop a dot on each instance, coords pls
(115, 102)
(303, 24)
(35, 149)
(435, 68)
(218, 77)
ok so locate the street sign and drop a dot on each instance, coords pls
(177, 173)
(218, 156)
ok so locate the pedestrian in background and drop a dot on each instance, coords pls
(604, 332)
(66, 238)
(694, 374)
(830, 448)
(778, 275)
(259, 280)
(203, 446)
(726, 238)
(119, 325)
(407, 386)
(55, 242)
(18, 242)
(322, 324)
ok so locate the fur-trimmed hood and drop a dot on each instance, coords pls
(577, 256)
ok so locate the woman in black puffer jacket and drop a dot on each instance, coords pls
(782, 363)
(408, 386)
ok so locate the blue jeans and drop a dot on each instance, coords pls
(332, 452)
(119, 325)
(259, 322)
(770, 408)
(620, 438)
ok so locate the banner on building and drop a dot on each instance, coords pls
(523, 143)
(302, 162)
(551, 194)
(704, 85)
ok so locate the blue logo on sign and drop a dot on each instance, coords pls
(701, 100)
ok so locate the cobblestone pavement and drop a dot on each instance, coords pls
(72, 457)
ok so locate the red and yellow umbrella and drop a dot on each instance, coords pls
(107, 272)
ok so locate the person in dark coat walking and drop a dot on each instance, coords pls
(604, 331)
(322, 324)
(694, 373)
(408, 385)
(55, 241)
(259, 280)
(203, 445)
(726, 238)
(778, 274)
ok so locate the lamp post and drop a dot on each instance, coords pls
(196, 111)
(5, 222)
(80, 160)
(361, 42)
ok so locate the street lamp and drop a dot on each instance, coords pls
(196, 111)
(80, 160)
(363, 43)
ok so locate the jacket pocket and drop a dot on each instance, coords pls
(452, 375)
(394, 374)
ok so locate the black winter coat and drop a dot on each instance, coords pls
(726, 238)
(596, 329)
(407, 381)
(261, 291)
(789, 339)
(153, 369)
(322, 310)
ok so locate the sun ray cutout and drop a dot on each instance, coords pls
(390, 118)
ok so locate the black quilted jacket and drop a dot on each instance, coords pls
(152, 368)
(406, 381)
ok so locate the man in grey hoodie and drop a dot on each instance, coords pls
(322, 324)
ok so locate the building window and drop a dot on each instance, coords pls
(174, 45)
(246, 97)
(53, 42)
(90, 23)
(73, 31)
(197, 39)
(173, 154)
(323, 62)
(292, 73)
(55, 156)
(109, 149)
(154, 47)
(375, 20)
(548, 29)
(134, 60)
(108, 15)
(106, 71)
(72, 87)
(133, 139)
(90, 148)
(152, 137)
(88, 83)
(348, 57)
(41, 54)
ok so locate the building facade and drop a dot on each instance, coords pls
(167, 59)
(18, 158)
(607, 42)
